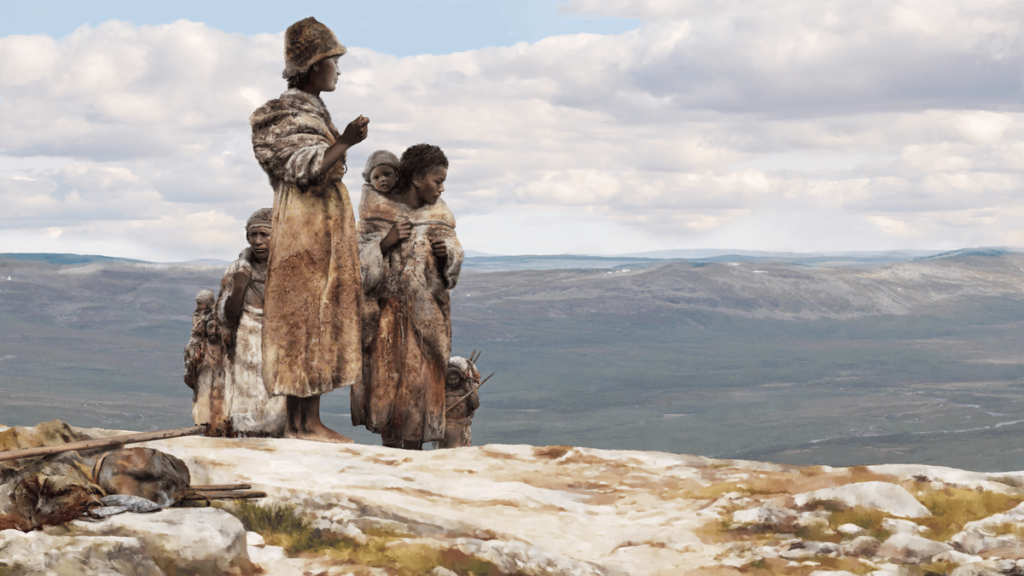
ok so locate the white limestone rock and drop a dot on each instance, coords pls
(911, 549)
(40, 553)
(861, 546)
(767, 515)
(956, 557)
(889, 498)
(974, 540)
(204, 540)
(897, 526)
(797, 549)
(850, 530)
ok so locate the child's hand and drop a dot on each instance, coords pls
(398, 232)
(355, 132)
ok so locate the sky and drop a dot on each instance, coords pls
(579, 126)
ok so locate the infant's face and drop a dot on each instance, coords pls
(383, 178)
(201, 306)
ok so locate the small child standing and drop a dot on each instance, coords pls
(461, 399)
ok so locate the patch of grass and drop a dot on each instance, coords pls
(953, 508)
(869, 519)
(1007, 528)
(818, 533)
(281, 525)
(932, 569)
(853, 565)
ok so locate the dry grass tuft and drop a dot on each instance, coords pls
(280, 525)
(551, 452)
(953, 508)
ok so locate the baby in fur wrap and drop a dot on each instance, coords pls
(313, 298)
(410, 260)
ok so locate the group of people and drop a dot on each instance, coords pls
(318, 302)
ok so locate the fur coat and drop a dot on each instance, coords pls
(407, 329)
(246, 404)
(311, 342)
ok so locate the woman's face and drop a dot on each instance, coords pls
(325, 77)
(429, 187)
(259, 241)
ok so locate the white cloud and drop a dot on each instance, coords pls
(768, 125)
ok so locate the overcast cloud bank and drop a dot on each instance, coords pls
(800, 126)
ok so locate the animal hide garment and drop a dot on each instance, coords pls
(312, 308)
(246, 403)
(406, 319)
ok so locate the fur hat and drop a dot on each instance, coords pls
(307, 42)
(378, 158)
(261, 217)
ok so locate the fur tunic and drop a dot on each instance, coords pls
(246, 404)
(311, 342)
(406, 320)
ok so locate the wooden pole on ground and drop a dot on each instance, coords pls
(102, 442)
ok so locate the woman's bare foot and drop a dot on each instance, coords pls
(319, 434)
(304, 422)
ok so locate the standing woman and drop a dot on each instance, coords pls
(312, 307)
(411, 260)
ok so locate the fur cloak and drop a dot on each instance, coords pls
(407, 328)
(311, 342)
(246, 404)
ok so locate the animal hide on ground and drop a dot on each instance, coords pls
(246, 403)
(311, 342)
(406, 319)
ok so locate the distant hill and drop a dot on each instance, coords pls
(63, 258)
(911, 361)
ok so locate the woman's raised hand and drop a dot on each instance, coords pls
(356, 131)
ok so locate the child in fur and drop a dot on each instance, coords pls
(461, 400)
(381, 172)
(195, 350)
(208, 405)
(410, 259)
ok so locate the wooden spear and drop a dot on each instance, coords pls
(477, 387)
(102, 442)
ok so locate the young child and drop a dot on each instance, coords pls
(205, 364)
(410, 259)
(195, 350)
(381, 172)
(461, 399)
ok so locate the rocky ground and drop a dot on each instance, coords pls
(524, 510)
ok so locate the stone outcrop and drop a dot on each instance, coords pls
(884, 496)
(910, 549)
(527, 510)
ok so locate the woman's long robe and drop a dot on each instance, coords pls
(311, 314)
(246, 403)
(407, 329)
